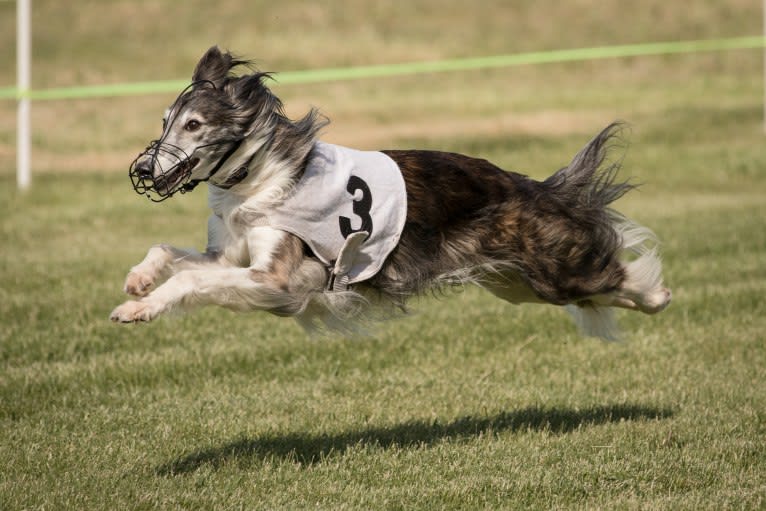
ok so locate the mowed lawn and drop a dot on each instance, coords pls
(467, 403)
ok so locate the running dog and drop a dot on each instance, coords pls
(332, 236)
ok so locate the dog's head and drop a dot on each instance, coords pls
(204, 127)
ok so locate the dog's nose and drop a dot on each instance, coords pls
(144, 169)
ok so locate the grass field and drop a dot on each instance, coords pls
(469, 402)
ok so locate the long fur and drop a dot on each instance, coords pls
(468, 222)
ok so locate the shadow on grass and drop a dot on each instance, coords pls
(312, 448)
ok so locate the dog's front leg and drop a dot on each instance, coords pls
(160, 263)
(277, 279)
(239, 289)
(163, 261)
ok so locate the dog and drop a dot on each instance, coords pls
(304, 229)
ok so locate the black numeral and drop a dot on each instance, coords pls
(362, 208)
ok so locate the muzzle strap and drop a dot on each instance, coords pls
(191, 185)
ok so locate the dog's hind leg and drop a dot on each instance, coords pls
(508, 286)
(642, 289)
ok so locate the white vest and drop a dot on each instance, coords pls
(349, 207)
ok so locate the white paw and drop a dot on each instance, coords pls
(133, 311)
(138, 283)
(657, 301)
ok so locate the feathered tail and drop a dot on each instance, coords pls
(589, 185)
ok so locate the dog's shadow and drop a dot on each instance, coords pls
(311, 449)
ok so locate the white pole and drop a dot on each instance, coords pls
(23, 54)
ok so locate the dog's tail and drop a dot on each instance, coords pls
(589, 181)
(588, 185)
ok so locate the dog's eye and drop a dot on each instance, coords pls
(192, 125)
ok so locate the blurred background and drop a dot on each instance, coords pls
(113, 41)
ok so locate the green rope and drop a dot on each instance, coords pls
(409, 68)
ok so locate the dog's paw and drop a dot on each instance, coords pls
(133, 312)
(657, 301)
(138, 284)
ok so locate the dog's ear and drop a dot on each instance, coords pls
(245, 88)
(214, 66)
(250, 93)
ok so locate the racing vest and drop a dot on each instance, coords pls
(349, 207)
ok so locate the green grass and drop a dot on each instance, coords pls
(468, 403)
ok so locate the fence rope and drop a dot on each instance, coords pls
(408, 68)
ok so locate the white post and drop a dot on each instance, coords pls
(23, 54)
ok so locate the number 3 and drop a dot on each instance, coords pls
(361, 208)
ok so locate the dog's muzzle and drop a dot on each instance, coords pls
(158, 180)
(151, 178)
